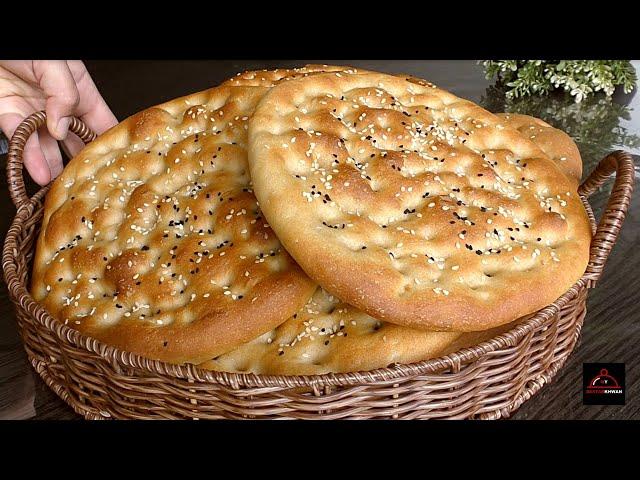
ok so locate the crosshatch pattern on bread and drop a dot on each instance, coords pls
(328, 335)
(152, 240)
(416, 206)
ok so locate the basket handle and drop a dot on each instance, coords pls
(33, 122)
(620, 163)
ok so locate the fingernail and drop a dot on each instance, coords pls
(62, 127)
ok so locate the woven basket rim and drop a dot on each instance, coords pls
(452, 361)
(488, 380)
(602, 241)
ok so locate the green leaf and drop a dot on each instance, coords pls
(581, 78)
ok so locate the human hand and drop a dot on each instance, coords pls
(63, 89)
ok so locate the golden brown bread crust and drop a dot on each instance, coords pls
(152, 240)
(555, 143)
(138, 167)
(269, 78)
(329, 336)
(314, 341)
(418, 207)
(224, 326)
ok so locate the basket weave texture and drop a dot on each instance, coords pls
(488, 381)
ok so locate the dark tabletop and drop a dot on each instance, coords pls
(612, 327)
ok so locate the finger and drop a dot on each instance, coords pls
(92, 109)
(59, 86)
(72, 145)
(51, 151)
(35, 161)
(33, 158)
(9, 122)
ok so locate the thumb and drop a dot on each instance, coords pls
(59, 86)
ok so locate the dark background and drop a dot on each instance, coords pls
(612, 326)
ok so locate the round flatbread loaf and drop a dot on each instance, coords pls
(330, 336)
(152, 240)
(420, 208)
(314, 341)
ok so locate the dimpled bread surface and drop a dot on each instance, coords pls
(555, 143)
(327, 335)
(418, 207)
(330, 336)
(152, 240)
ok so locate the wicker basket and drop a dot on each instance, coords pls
(490, 380)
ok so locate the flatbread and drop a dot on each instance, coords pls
(413, 205)
(314, 341)
(152, 240)
(330, 336)
(269, 78)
